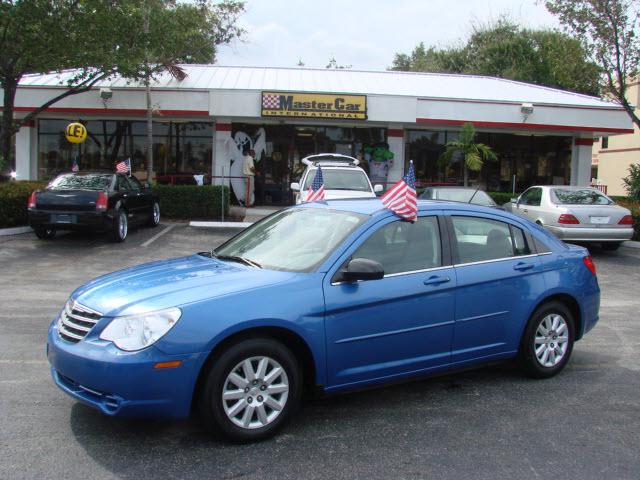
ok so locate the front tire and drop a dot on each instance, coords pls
(251, 390)
(547, 342)
(120, 226)
(44, 233)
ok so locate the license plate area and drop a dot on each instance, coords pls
(63, 218)
(599, 220)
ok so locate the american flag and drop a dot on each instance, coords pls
(124, 166)
(74, 167)
(401, 199)
(316, 192)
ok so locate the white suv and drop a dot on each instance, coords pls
(342, 176)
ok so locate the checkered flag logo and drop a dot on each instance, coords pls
(270, 101)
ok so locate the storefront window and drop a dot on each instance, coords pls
(178, 148)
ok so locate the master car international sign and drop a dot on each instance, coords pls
(314, 105)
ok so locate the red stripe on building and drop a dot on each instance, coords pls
(223, 127)
(119, 111)
(584, 141)
(527, 126)
(395, 133)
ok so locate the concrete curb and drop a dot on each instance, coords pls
(15, 231)
(631, 244)
(220, 224)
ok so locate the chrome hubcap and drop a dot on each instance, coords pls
(552, 340)
(255, 392)
(122, 225)
(156, 213)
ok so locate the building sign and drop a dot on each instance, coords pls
(314, 105)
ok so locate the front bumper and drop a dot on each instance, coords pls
(71, 220)
(120, 383)
(591, 234)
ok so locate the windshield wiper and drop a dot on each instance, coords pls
(236, 258)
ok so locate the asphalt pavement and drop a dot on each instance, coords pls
(481, 424)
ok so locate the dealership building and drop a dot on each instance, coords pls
(203, 123)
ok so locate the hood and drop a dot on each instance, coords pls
(335, 194)
(171, 283)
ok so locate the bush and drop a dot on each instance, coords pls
(13, 202)
(502, 197)
(192, 201)
(632, 182)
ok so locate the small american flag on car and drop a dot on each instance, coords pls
(316, 192)
(401, 199)
(124, 166)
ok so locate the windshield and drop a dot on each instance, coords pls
(340, 180)
(464, 195)
(81, 182)
(296, 240)
(585, 196)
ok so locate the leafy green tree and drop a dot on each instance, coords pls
(610, 32)
(472, 154)
(632, 182)
(506, 50)
(103, 38)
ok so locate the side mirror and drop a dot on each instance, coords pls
(377, 188)
(362, 269)
(514, 200)
(295, 186)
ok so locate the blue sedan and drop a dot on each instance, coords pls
(331, 296)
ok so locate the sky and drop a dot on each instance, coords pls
(363, 34)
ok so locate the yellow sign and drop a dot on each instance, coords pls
(75, 133)
(314, 105)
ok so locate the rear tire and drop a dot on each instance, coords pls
(611, 246)
(154, 219)
(547, 341)
(120, 226)
(44, 233)
(261, 382)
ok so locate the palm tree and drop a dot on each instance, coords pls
(473, 154)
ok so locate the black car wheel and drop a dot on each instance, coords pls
(251, 390)
(44, 233)
(154, 219)
(120, 226)
(611, 246)
(547, 342)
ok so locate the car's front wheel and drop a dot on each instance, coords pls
(548, 339)
(251, 390)
(44, 233)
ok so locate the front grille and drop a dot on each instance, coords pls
(76, 321)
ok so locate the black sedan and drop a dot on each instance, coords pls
(92, 201)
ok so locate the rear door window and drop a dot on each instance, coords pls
(481, 239)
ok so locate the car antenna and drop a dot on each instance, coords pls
(474, 194)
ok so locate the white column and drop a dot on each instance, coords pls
(24, 152)
(581, 161)
(221, 163)
(395, 139)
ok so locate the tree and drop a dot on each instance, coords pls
(632, 182)
(506, 50)
(333, 64)
(473, 155)
(610, 32)
(103, 38)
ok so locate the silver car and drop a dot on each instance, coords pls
(578, 214)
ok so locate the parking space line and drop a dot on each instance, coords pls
(158, 235)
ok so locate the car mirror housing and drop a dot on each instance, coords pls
(377, 188)
(514, 200)
(295, 186)
(362, 269)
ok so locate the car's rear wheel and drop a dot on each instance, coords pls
(120, 226)
(251, 390)
(44, 233)
(154, 219)
(611, 246)
(548, 339)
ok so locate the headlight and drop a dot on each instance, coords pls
(135, 332)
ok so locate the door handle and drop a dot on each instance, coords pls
(436, 280)
(523, 266)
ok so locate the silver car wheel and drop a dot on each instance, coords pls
(122, 225)
(156, 214)
(255, 392)
(551, 340)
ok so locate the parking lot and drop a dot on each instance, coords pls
(489, 423)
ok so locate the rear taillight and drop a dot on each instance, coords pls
(626, 220)
(31, 204)
(588, 262)
(101, 203)
(568, 219)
